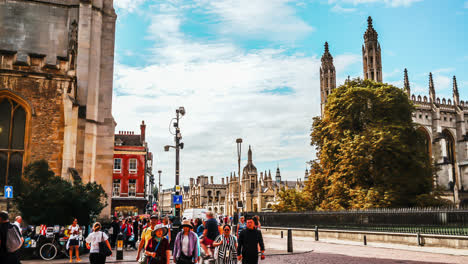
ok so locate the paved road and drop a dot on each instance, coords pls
(308, 251)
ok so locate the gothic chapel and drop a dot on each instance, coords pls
(443, 121)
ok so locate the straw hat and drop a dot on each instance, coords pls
(157, 227)
(187, 224)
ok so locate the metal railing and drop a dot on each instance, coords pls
(404, 220)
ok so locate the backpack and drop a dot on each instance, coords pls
(13, 239)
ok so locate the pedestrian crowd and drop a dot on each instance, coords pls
(224, 240)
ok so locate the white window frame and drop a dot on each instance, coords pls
(129, 193)
(129, 166)
(114, 188)
(118, 170)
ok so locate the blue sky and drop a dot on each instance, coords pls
(249, 68)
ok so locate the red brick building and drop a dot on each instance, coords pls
(131, 190)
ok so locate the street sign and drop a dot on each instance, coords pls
(177, 188)
(8, 191)
(155, 207)
(177, 199)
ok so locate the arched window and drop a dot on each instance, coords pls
(12, 141)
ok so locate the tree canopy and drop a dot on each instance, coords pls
(44, 198)
(369, 152)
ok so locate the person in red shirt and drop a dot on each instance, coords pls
(127, 231)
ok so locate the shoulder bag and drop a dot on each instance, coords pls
(103, 248)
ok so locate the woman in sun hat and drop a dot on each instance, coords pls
(157, 249)
(186, 245)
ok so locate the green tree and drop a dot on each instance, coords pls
(370, 154)
(290, 200)
(44, 198)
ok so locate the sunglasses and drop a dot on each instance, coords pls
(227, 229)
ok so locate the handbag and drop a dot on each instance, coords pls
(103, 248)
(157, 258)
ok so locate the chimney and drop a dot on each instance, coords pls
(142, 131)
(212, 182)
(222, 180)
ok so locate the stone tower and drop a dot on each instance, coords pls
(56, 62)
(327, 77)
(372, 61)
(278, 175)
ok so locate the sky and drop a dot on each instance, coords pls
(250, 69)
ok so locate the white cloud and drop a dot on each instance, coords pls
(270, 19)
(339, 9)
(228, 93)
(128, 5)
(389, 3)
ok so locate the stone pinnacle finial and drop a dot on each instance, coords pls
(456, 96)
(431, 88)
(406, 84)
(369, 22)
(326, 47)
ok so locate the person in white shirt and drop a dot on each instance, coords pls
(92, 243)
(18, 221)
(73, 243)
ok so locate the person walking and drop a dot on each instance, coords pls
(186, 245)
(157, 250)
(247, 247)
(115, 231)
(5, 225)
(146, 236)
(92, 243)
(18, 221)
(73, 240)
(127, 230)
(200, 227)
(241, 226)
(210, 233)
(226, 247)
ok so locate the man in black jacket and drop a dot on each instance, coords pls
(5, 256)
(247, 246)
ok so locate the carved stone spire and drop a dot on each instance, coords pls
(432, 94)
(249, 154)
(406, 84)
(371, 54)
(327, 77)
(456, 96)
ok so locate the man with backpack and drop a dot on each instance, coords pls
(10, 240)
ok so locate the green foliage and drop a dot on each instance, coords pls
(369, 153)
(44, 198)
(290, 200)
(155, 193)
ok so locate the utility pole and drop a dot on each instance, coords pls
(178, 145)
(159, 194)
(239, 143)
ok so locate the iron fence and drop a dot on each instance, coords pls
(406, 220)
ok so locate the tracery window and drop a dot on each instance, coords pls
(12, 137)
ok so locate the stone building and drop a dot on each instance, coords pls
(258, 191)
(443, 121)
(56, 72)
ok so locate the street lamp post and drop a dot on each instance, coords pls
(239, 144)
(178, 146)
(159, 194)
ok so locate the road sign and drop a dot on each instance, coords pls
(155, 207)
(8, 191)
(177, 199)
(177, 188)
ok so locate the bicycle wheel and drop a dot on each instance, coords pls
(48, 251)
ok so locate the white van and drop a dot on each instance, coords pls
(193, 213)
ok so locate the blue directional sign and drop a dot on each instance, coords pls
(177, 199)
(8, 191)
